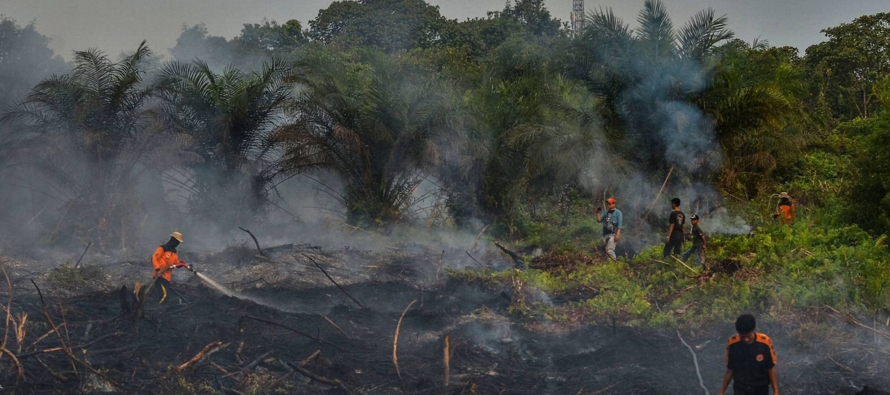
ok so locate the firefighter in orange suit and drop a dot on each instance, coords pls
(164, 260)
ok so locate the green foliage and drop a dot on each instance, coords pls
(783, 269)
(380, 123)
(850, 63)
(79, 279)
(385, 25)
(25, 58)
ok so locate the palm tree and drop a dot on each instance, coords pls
(650, 79)
(379, 125)
(534, 129)
(225, 121)
(86, 132)
(758, 115)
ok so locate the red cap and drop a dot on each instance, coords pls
(610, 200)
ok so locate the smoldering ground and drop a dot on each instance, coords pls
(489, 350)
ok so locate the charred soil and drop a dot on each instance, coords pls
(292, 331)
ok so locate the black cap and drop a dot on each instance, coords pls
(693, 217)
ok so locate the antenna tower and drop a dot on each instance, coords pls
(577, 16)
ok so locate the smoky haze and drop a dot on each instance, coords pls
(76, 25)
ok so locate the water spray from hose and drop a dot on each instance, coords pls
(215, 285)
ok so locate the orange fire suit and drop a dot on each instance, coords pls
(163, 260)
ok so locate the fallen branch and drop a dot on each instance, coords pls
(65, 348)
(8, 308)
(603, 390)
(291, 329)
(52, 372)
(701, 382)
(517, 259)
(476, 242)
(254, 241)
(323, 380)
(842, 366)
(447, 358)
(439, 265)
(334, 282)
(395, 341)
(310, 358)
(15, 361)
(474, 260)
(335, 326)
(200, 355)
(257, 360)
(81, 255)
(849, 317)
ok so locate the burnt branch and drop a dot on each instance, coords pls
(335, 283)
(254, 241)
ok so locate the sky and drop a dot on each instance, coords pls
(115, 26)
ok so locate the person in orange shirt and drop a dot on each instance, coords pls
(164, 260)
(785, 209)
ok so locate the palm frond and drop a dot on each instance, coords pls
(656, 33)
(701, 33)
(604, 22)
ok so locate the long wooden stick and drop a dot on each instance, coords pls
(683, 263)
(395, 341)
(335, 283)
(335, 326)
(659, 192)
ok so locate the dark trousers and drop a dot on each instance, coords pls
(676, 245)
(748, 390)
(164, 289)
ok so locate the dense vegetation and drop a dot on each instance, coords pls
(517, 121)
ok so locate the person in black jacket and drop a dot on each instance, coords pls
(676, 230)
(750, 361)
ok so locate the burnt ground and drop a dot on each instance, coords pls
(288, 310)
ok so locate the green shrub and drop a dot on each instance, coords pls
(69, 278)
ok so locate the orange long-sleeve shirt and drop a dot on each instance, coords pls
(161, 260)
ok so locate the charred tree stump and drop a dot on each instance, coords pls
(122, 294)
(517, 259)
